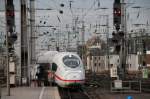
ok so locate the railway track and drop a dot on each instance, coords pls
(145, 86)
(88, 91)
(67, 93)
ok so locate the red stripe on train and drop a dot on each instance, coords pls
(68, 80)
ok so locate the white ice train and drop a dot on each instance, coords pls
(67, 67)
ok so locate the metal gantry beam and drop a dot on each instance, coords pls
(32, 37)
(11, 36)
(123, 45)
(24, 44)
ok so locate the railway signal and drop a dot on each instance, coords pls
(11, 36)
(10, 20)
(117, 40)
(117, 14)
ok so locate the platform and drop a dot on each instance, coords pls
(32, 93)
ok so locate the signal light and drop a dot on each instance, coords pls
(113, 33)
(118, 47)
(144, 63)
(117, 1)
(117, 37)
(10, 13)
(121, 34)
(11, 39)
(10, 49)
(61, 12)
(117, 26)
(114, 40)
(144, 51)
(57, 48)
(117, 12)
(62, 5)
(14, 37)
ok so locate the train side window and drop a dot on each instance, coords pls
(54, 67)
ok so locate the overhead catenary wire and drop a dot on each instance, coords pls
(94, 2)
(86, 11)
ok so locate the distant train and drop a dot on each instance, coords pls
(66, 68)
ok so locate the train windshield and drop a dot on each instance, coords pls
(71, 61)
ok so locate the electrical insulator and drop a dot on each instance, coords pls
(57, 48)
(61, 12)
(62, 5)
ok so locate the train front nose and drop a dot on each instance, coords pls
(75, 78)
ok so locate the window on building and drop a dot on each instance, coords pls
(110, 56)
(130, 65)
(95, 64)
(90, 58)
(118, 60)
(111, 65)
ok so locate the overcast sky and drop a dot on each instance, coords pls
(87, 7)
(79, 8)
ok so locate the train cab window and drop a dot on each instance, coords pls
(54, 67)
(71, 61)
